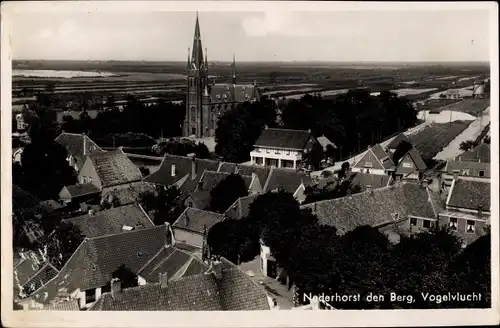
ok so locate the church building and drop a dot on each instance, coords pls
(205, 100)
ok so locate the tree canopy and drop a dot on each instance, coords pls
(164, 203)
(227, 192)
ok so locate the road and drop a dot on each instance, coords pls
(355, 158)
(471, 133)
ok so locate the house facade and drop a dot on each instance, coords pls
(410, 167)
(282, 148)
(374, 161)
(193, 225)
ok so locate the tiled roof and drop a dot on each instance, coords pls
(480, 153)
(201, 199)
(210, 179)
(174, 262)
(470, 194)
(112, 221)
(287, 179)
(382, 156)
(473, 167)
(262, 172)
(69, 305)
(194, 220)
(50, 205)
(366, 179)
(227, 93)
(397, 140)
(233, 291)
(128, 195)
(81, 189)
(74, 144)
(375, 207)
(283, 138)
(183, 168)
(114, 168)
(95, 260)
(241, 207)
(417, 159)
(40, 278)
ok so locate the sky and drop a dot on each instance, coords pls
(271, 35)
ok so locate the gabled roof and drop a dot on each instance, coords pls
(94, 261)
(183, 168)
(114, 168)
(174, 262)
(262, 172)
(365, 179)
(112, 221)
(210, 179)
(233, 291)
(378, 157)
(195, 220)
(201, 199)
(470, 194)
(82, 189)
(480, 153)
(75, 143)
(130, 195)
(229, 93)
(283, 138)
(287, 179)
(417, 160)
(474, 167)
(375, 207)
(240, 207)
(324, 141)
(40, 278)
(382, 156)
(397, 140)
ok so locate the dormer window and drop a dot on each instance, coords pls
(471, 226)
(453, 223)
(465, 172)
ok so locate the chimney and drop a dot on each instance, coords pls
(217, 269)
(172, 170)
(169, 240)
(116, 287)
(163, 279)
(91, 212)
(193, 168)
(265, 127)
(84, 145)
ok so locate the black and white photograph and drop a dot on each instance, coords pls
(249, 156)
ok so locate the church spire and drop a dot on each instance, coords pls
(234, 69)
(197, 56)
(206, 59)
(189, 60)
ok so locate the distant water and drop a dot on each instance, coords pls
(60, 74)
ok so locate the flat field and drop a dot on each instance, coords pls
(167, 79)
(433, 138)
(470, 106)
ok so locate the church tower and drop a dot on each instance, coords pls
(198, 120)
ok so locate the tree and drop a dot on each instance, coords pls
(401, 150)
(467, 145)
(315, 156)
(164, 202)
(62, 243)
(238, 129)
(330, 152)
(227, 192)
(201, 151)
(127, 277)
(224, 239)
(45, 169)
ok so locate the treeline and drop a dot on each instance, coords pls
(318, 261)
(155, 120)
(352, 121)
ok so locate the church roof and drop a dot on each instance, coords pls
(228, 93)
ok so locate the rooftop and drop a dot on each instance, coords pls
(241, 207)
(195, 220)
(115, 168)
(480, 153)
(210, 179)
(470, 194)
(233, 290)
(376, 207)
(397, 140)
(283, 138)
(83, 189)
(112, 221)
(287, 179)
(75, 143)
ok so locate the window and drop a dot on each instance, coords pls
(368, 164)
(465, 172)
(481, 173)
(89, 296)
(470, 226)
(413, 222)
(193, 114)
(106, 289)
(288, 152)
(193, 130)
(190, 204)
(453, 223)
(408, 165)
(426, 224)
